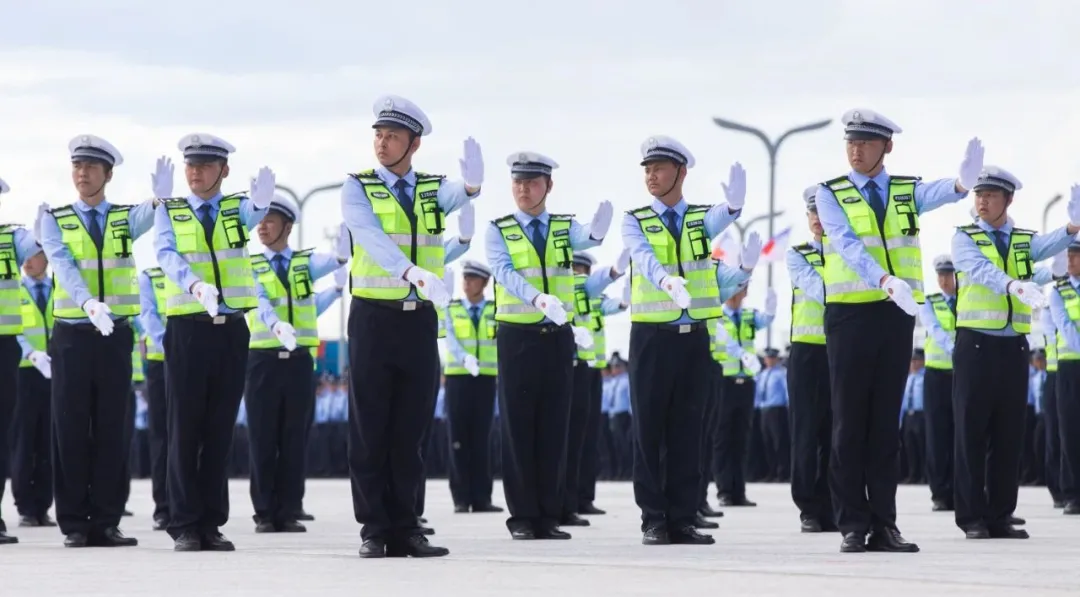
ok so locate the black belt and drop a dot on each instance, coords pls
(675, 328)
(539, 328)
(412, 305)
(219, 319)
(86, 325)
(282, 353)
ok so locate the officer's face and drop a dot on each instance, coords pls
(916, 364)
(771, 361)
(660, 176)
(473, 285)
(814, 222)
(35, 266)
(865, 155)
(946, 281)
(530, 192)
(90, 176)
(272, 228)
(204, 177)
(1074, 263)
(391, 144)
(990, 204)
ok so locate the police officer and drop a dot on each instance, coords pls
(1065, 311)
(31, 462)
(152, 302)
(809, 408)
(938, 316)
(1052, 461)
(871, 252)
(89, 244)
(675, 290)
(531, 254)
(201, 246)
(995, 271)
(396, 216)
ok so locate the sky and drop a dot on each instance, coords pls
(582, 81)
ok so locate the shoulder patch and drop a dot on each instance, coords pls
(968, 228)
(304, 252)
(696, 208)
(904, 178)
(429, 177)
(505, 222)
(178, 203)
(1024, 231)
(563, 217)
(643, 213)
(124, 208)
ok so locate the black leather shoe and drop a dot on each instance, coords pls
(551, 533)
(265, 527)
(889, 540)
(485, 508)
(590, 510)
(187, 541)
(46, 521)
(977, 531)
(708, 512)
(1016, 521)
(688, 535)
(127, 512)
(112, 537)
(6, 539)
(701, 523)
(29, 521)
(422, 520)
(76, 539)
(1007, 532)
(522, 534)
(373, 548)
(461, 509)
(304, 516)
(853, 543)
(941, 506)
(1071, 508)
(215, 541)
(1059, 504)
(810, 525)
(423, 530)
(416, 546)
(573, 520)
(160, 523)
(731, 502)
(291, 526)
(656, 535)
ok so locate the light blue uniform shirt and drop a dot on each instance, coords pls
(913, 392)
(340, 411)
(368, 233)
(502, 266)
(440, 404)
(25, 245)
(1035, 389)
(324, 298)
(969, 259)
(31, 285)
(761, 321)
(607, 395)
(173, 263)
(241, 414)
(1060, 318)
(142, 412)
(717, 219)
(804, 276)
(1046, 319)
(770, 388)
(933, 326)
(321, 264)
(65, 270)
(620, 394)
(322, 408)
(149, 317)
(928, 197)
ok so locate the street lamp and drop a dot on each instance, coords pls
(301, 201)
(1046, 211)
(773, 147)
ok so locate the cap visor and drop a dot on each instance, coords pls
(203, 159)
(864, 136)
(526, 175)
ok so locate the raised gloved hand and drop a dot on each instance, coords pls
(770, 302)
(735, 189)
(601, 220)
(622, 263)
(343, 247)
(448, 278)
(262, 188)
(627, 289)
(551, 307)
(472, 365)
(900, 292)
(1060, 264)
(466, 222)
(472, 164)
(675, 287)
(428, 285)
(161, 180)
(341, 277)
(1074, 205)
(98, 312)
(751, 252)
(972, 166)
(286, 334)
(42, 363)
(207, 296)
(42, 212)
(582, 337)
(1028, 293)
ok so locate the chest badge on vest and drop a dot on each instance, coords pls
(514, 236)
(653, 229)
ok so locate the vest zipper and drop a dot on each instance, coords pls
(543, 262)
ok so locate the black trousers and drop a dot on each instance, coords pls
(393, 357)
(470, 408)
(536, 381)
(710, 421)
(590, 451)
(129, 439)
(1068, 427)
(431, 449)
(669, 387)
(31, 458)
(575, 436)
(10, 355)
(1052, 462)
(810, 421)
(279, 401)
(914, 434)
(869, 347)
(735, 414)
(990, 380)
(624, 445)
(1030, 468)
(775, 432)
(91, 405)
(938, 415)
(157, 435)
(205, 382)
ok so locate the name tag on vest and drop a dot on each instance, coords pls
(69, 226)
(119, 223)
(695, 223)
(429, 194)
(1022, 245)
(563, 232)
(181, 217)
(232, 211)
(300, 268)
(902, 198)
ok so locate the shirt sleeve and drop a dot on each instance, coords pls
(325, 298)
(580, 238)
(141, 218)
(323, 264)
(969, 259)
(641, 252)
(1064, 325)
(169, 259)
(805, 277)
(452, 344)
(762, 320)
(934, 329)
(844, 241)
(367, 231)
(149, 316)
(598, 281)
(62, 262)
(939, 193)
(718, 218)
(454, 249)
(502, 267)
(26, 246)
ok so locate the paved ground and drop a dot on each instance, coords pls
(759, 553)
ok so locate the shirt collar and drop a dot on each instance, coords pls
(525, 219)
(196, 202)
(391, 179)
(1007, 227)
(102, 208)
(287, 253)
(680, 207)
(1074, 280)
(860, 180)
(816, 244)
(469, 304)
(31, 283)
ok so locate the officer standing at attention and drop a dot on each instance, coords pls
(153, 306)
(871, 252)
(995, 265)
(89, 244)
(809, 400)
(938, 316)
(1065, 311)
(23, 246)
(1052, 461)
(31, 461)
(675, 291)
(201, 246)
(531, 253)
(396, 217)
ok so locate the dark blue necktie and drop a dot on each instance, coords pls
(94, 228)
(536, 236)
(876, 202)
(1002, 243)
(404, 198)
(672, 223)
(281, 269)
(952, 304)
(207, 220)
(474, 313)
(40, 298)
(735, 319)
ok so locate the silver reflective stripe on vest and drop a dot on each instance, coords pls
(695, 303)
(68, 303)
(8, 284)
(269, 335)
(11, 319)
(802, 298)
(221, 255)
(280, 302)
(536, 272)
(860, 286)
(422, 240)
(523, 309)
(902, 242)
(808, 330)
(11, 303)
(116, 263)
(378, 282)
(985, 316)
(690, 266)
(229, 293)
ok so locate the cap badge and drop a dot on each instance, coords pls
(388, 104)
(522, 157)
(856, 117)
(195, 140)
(652, 143)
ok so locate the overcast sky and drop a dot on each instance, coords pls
(583, 81)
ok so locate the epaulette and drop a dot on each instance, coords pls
(839, 183)
(175, 203)
(304, 252)
(1063, 283)
(642, 213)
(120, 208)
(235, 196)
(62, 211)
(505, 221)
(366, 177)
(154, 272)
(1025, 231)
(429, 177)
(561, 216)
(805, 247)
(697, 208)
(893, 177)
(937, 296)
(456, 301)
(969, 229)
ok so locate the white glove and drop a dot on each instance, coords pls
(750, 362)
(98, 312)
(42, 211)
(1028, 293)
(467, 222)
(622, 263)
(1060, 265)
(551, 307)
(448, 278)
(472, 365)
(751, 252)
(472, 164)
(601, 220)
(770, 302)
(343, 248)
(286, 334)
(1074, 205)
(262, 188)
(162, 178)
(627, 289)
(341, 277)
(972, 166)
(900, 292)
(735, 189)
(42, 362)
(428, 285)
(207, 295)
(676, 289)
(582, 337)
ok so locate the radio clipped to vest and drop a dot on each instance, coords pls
(909, 218)
(434, 220)
(235, 233)
(9, 265)
(699, 240)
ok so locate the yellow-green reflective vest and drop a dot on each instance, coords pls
(137, 374)
(1071, 299)
(583, 315)
(157, 282)
(36, 326)
(477, 340)
(552, 276)
(109, 274)
(978, 307)
(808, 315)
(11, 316)
(294, 304)
(895, 246)
(418, 235)
(441, 320)
(688, 257)
(936, 358)
(744, 334)
(599, 337)
(1051, 352)
(222, 262)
